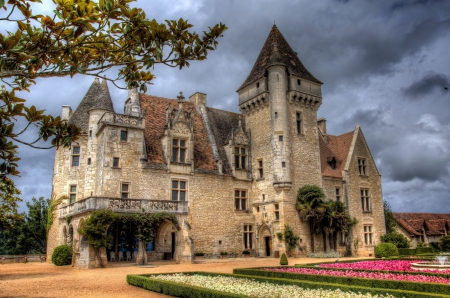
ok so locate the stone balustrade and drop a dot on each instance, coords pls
(123, 206)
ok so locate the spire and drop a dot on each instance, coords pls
(97, 97)
(276, 51)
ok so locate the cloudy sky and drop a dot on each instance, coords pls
(385, 64)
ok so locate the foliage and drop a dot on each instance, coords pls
(68, 219)
(62, 255)
(389, 220)
(28, 234)
(436, 246)
(199, 254)
(311, 207)
(323, 255)
(82, 37)
(289, 238)
(406, 251)
(224, 253)
(399, 240)
(424, 250)
(284, 260)
(51, 209)
(386, 250)
(9, 195)
(280, 236)
(445, 243)
(95, 228)
(420, 244)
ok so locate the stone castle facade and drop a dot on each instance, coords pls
(231, 179)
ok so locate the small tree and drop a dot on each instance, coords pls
(95, 230)
(399, 240)
(289, 238)
(284, 260)
(445, 243)
(389, 219)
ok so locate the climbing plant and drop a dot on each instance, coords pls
(51, 208)
(289, 238)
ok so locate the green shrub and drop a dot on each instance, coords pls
(424, 250)
(436, 246)
(420, 244)
(199, 254)
(445, 243)
(223, 253)
(62, 255)
(284, 260)
(386, 250)
(399, 240)
(406, 251)
(245, 252)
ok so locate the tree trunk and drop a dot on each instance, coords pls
(97, 253)
(324, 237)
(330, 240)
(335, 240)
(311, 232)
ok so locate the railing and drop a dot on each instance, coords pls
(129, 120)
(123, 206)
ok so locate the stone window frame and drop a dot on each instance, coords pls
(178, 147)
(240, 201)
(125, 193)
(366, 200)
(338, 193)
(247, 236)
(75, 157)
(72, 193)
(260, 168)
(124, 136)
(368, 234)
(298, 122)
(362, 166)
(116, 162)
(276, 208)
(240, 158)
(89, 161)
(178, 189)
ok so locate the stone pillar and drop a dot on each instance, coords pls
(135, 107)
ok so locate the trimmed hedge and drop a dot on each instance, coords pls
(424, 250)
(406, 251)
(284, 260)
(352, 281)
(62, 255)
(182, 290)
(386, 250)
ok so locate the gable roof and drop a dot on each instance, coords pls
(155, 121)
(277, 51)
(97, 97)
(434, 224)
(337, 147)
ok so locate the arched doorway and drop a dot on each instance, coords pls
(124, 244)
(265, 241)
(166, 240)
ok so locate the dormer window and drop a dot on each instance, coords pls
(178, 150)
(240, 157)
(332, 163)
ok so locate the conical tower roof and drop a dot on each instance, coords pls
(97, 97)
(276, 51)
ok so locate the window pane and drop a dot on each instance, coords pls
(75, 161)
(260, 163)
(236, 150)
(249, 228)
(243, 162)
(115, 162)
(245, 241)
(182, 184)
(182, 143)
(182, 195)
(123, 135)
(73, 188)
(236, 205)
(76, 150)
(175, 142)
(174, 184)
(124, 195)
(236, 193)
(243, 205)
(174, 154)
(236, 161)
(242, 150)
(72, 198)
(245, 228)
(182, 155)
(174, 195)
(243, 193)
(124, 187)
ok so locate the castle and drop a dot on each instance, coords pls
(231, 179)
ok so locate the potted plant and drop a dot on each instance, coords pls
(223, 255)
(245, 254)
(199, 255)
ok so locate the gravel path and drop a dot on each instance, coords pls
(47, 280)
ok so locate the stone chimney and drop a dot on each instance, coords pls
(322, 124)
(66, 112)
(198, 98)
(135, 108)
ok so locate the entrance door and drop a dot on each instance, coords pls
(268, 243)
(173, 245)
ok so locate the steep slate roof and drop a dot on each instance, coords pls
(277, 51)
(155, 120)
(337, 147)
(97, 97)
(432, 223)
(222, 124)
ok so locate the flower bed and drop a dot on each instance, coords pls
(384, 265)
(251, 288)
(363, 274)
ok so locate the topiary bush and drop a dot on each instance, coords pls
(386, 250)
(445, 243)
(62, 255)
(284, 260)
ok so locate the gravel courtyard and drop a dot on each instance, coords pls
(47, 280)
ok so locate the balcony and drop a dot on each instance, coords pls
(123, 206)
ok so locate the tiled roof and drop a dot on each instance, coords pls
(97, 97)
(155, 120)
(337, 147)
(415, 223)
(222, 124)
(277, 51)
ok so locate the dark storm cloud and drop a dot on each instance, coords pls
(428, 83)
